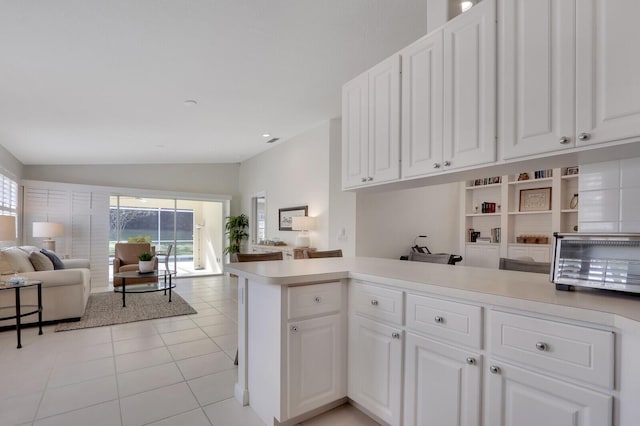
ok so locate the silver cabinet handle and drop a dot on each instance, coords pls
(494, 369)
(541, 346)
(369, 179)
(439, 319)
(564, 140)
(584, 136)
(294, 329)
(447, 163)
(317, 299)
(436, 165)
(395, 335)
(374, 302)
(471, 361)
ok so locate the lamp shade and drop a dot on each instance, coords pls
(7, 228)
(47, 229)
(303, 223)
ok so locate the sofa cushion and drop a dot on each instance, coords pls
(14, 260)
(40, 262)
(57, 263)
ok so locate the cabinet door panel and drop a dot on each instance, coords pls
(537, 46)
(422, 64)
(384, 120)
(316, 363)
(608, 97)
(517, 397)
(441, 386)
(482, 255)
(470, 87)
(355, 131)
(375, 366)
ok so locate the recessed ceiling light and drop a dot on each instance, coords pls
(190, 102)
(466, 5)
(266, 135)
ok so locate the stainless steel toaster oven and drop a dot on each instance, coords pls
(604, 261)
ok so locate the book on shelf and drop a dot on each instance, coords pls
(495, 235)
(488, 207)
(483, 240)
(541, 174)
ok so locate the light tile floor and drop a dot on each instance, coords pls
(170, 371)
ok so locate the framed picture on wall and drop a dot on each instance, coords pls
(535, 200)
(285, 216)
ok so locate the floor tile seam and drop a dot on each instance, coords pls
(115, 368)
(155, 388)
(80, 381)
(175, 415)
(46, 386)
(77, 409)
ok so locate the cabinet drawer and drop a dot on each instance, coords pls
(378, 302)
(573, 351)
(314, 299)
(457, 322)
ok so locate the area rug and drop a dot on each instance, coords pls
(106, 309)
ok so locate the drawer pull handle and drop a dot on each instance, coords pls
(439, 319)
(395, 335)
(317, 299)
(541, 346)
(294, 329)
(374, 302)
(494, 369)
(471, 361)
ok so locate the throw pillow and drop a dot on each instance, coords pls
(40, 262)
(15, 260)
(57, 263)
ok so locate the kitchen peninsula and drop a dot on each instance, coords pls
(410, 343)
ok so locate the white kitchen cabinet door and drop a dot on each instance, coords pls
(470, 87)
(442, 384)
(482, 255)
(355, 131)
(517, 397)
(384, 121)
(537, 76)
(375, 368)
(422, 67)
(607, 59)
(316, 367)
(538, 254)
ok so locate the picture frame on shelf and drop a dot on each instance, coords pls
(535, 200)
(572, 171)
(286, 215)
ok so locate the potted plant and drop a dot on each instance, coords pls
(145, 262)
(236, 229)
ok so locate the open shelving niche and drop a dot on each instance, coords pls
(511, 221)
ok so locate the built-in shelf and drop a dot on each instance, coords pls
(522, 182)
(482, 243)
(491, 185)
(529, 245)
(482, 214)
(569, 211)
(570, 176)
(531, 213)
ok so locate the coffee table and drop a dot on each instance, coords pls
(158, 285)
(18, 309)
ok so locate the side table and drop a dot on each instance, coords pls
(18, 309)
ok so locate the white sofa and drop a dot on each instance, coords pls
(64, 291)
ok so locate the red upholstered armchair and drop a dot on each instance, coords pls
(126, 260)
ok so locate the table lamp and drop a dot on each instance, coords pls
(8, 228)
(304, 224)
(48, 230)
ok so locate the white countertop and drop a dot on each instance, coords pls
(515, 290)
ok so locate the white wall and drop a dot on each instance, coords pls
(609, 199)
(293, 173)
(388, 222)
(11, 164)
(219, 179)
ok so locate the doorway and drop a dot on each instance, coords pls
(193, 227)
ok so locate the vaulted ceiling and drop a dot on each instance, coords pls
(105, 81)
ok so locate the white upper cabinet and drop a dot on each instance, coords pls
(422, 67)
(470, 87)
(355, 131)
(537, 74)
(608, 81)
(371, 126)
